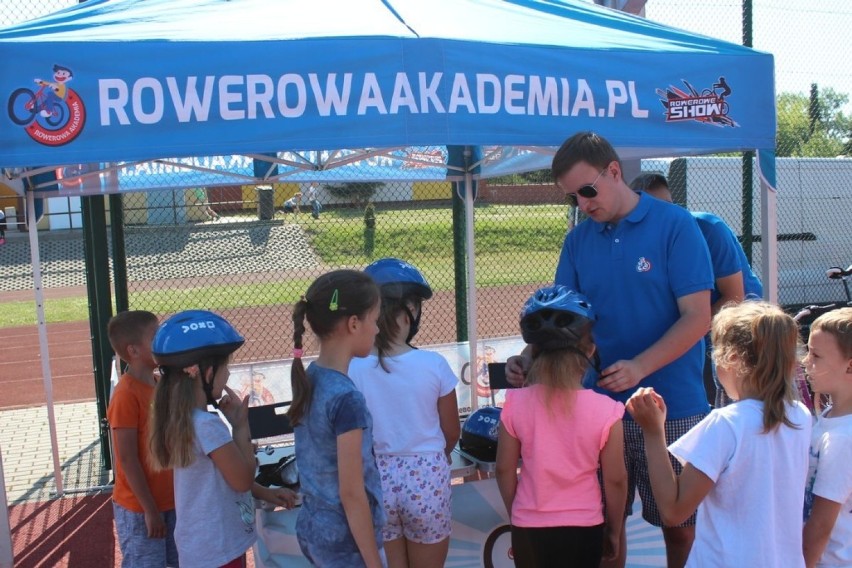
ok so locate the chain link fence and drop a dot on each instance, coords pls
(251, 251)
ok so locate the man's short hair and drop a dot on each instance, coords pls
(586, 147)
(127, 328)
(649, 181)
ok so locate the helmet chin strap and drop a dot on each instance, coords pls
(414, 325)
(208, 386)
(594, 360)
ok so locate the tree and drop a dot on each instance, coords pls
(538, 176)
(813, 125)
(358, 192)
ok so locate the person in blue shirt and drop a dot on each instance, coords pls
(341, 519)
(645, 267)
(734, 278)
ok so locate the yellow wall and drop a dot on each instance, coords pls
(194, 207)
(8, 197)
(431, 190)
(135, 208)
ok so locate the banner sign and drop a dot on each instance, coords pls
(76, 104)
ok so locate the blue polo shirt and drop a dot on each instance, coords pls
(726, 254)
(633, 273)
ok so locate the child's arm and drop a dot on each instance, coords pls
(818, 528)
(448, 414)
(677, 497)
(508, 454)
(235, 460)
(615, 488)
(280, 496)
(353, 495)
(127, 453)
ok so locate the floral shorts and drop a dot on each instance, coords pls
(416, 493)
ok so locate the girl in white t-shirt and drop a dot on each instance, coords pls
(744, 464)
(411, 395)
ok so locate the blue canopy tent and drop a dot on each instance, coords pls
(488, 86)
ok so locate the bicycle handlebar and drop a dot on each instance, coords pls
(836, 273)
(813, 310)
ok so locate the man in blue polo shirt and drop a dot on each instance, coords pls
(645, 268)
(734, 279)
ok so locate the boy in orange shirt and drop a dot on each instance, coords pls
(143, 500)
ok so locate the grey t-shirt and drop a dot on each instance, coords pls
(215, 524)
(337, 407)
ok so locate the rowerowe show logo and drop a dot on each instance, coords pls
(51, 114)
(709, 106)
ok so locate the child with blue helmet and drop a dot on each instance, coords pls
(411, 395)
(562, 434)
(214, 468)
(340, 522)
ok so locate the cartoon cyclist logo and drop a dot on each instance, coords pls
(53, 114)
(710, 106)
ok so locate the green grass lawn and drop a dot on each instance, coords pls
(514, 245)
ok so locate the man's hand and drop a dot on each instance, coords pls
(278, 496)
(516, 369)
(648, 409)
(621, 376)
(155, 524)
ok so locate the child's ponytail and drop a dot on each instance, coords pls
(774, 353)
(332, 297)
(301, 387)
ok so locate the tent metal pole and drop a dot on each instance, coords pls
(7, 557)
(100, 308)
(768, 224)
(769, 243)
(459, 265)
(119, 254)
(42, 339)
(473, 338)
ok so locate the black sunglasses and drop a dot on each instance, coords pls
(588, 191)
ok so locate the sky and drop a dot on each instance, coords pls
(810, 39)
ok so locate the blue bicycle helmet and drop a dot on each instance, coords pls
(479, 433)
(399, 279)
(190, 336)
(556, 318)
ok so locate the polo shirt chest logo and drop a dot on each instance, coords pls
(643, 265)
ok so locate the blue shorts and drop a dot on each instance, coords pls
(139, 551)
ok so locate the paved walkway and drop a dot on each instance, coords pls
(228, 246)
(27, 457)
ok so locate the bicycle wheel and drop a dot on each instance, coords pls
(497, 552)
(19, 110)
(57, 114)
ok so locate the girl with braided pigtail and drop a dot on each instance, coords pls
(340, 522)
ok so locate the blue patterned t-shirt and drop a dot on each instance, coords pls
(337, 407)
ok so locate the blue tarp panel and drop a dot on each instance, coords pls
(186, 78)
